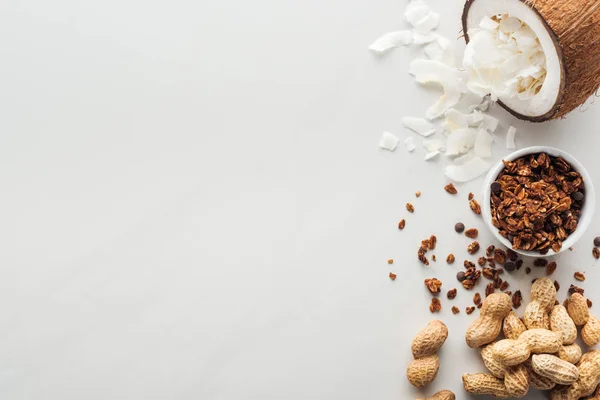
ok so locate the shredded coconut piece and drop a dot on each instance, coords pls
(488, 23)
(483, 143)
(462, 160)
(441, 49)
(420, 38)
(451, 80)
(431, 155)
(388, 141)
(390, 41)
(419, 15)
(410, 144)
(460, 141)
(419, 125)
(510, 138)
(472, 169)
(434, 145)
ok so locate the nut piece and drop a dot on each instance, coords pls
(475, 207)
(401, 224)
(580, 276)
(561, 322)
(418, 194)
(443, 395)
(589, 377)
(543, 297)
(451, 293)
(473, 248)
(555, 369)
(410, 208)
(434, 285)
(485, 384)
(450, 189)
(393, 276)
(596, 253)
(516, 299)
(487, 327)
(435, 306)
(450, 259)
(513, 327)
(472, 233)
(511, 352)
(424, 368)
(550, 268)
(571, 353)
(469, 310)
(455, 310)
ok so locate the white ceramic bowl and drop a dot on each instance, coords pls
(587, 212)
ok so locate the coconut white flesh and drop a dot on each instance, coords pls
(468, 171)
(390, 41)
(431, 155)
(434, 145)
(409, 142)
(388, 141)
(483, 143)
(419, 125)
(423, 38)
(534, 100)
(455, 120)
(460, 141)
(510, 138)
(451, 80)
(462, 160)
(421, 17)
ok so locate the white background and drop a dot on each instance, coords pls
(194, 205)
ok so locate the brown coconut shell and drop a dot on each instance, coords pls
(574, 25)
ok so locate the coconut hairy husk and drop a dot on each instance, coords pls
(574, 26)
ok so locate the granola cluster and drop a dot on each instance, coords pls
(536, 202)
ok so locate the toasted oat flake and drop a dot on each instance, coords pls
(580, 276)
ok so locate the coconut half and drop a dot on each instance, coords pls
(566, 30)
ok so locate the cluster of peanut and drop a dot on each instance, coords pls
(539, 351)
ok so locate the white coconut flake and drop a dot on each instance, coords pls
(388, 141)
(472, 169)
(460, 141)
(488, 23)
(451, 80)
(509, 25)
(441, 49)
(510, 138)
(462, 160)
(483, 143)
(423, 38)
(409, 142)
(431, 155)
(419, 125)
(455, 120)
(434, 145)
(419, 15)
(390, 41)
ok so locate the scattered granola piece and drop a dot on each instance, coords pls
(488, 273)
(589, 303)
(451, 293)
(473, 248)
(481, 261)
(476, 299)
(435, 305)
(490, 250)
(390, 261)
(433, 258)
(512, 255)
(479, 305)
(579, 276)
(468, 284)
(576, 289)
(392, 276)
(469, 310)
(459, 227)
(455, 310)
(471, 196)
(556, 286)
(450, 259)
(434, 285)
(401, 224)
(489, 289)
(500, 256)
(418, 194)
(527, 270)
(516, 299)
(550, 268)
(519, 264)
(410, 208)
(596, 253)
(432, 242)
(472, 233)
(475, 207)
(469, 264)
(504, 285)
(450, 189)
